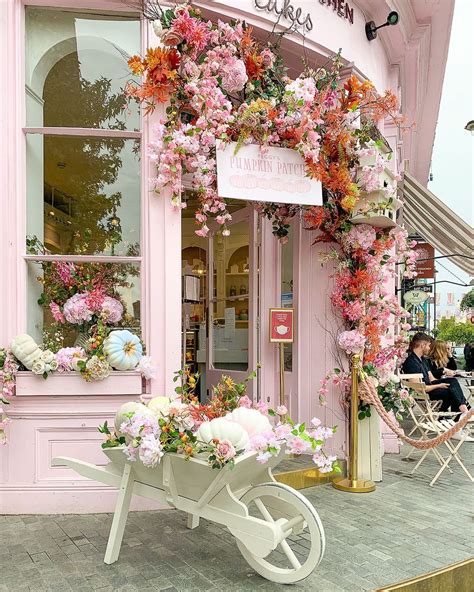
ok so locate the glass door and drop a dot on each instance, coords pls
(232, 301)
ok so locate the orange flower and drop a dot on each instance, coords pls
(136, 65)
(254, 66)
(315, 216)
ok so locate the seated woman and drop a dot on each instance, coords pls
(448, 389)
(440, 360)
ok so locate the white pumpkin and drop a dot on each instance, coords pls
(251, 420)
(26, 350)
(160, 406)
(222, 429)
(123, 350)
(131, 407)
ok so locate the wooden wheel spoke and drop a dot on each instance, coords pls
(263, 510)
(290, 554)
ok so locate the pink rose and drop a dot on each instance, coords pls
(281, 410)
(171, 38)
(225, 451)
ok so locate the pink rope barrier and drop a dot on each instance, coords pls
(368, 393)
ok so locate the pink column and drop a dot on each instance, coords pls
(269, 294)
(161, 278)
(317, 352)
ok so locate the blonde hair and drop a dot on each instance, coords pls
(439, 353)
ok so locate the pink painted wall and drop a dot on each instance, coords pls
(47, 423)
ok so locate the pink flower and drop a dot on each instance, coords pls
(245, 402)
(225, 451)
(263, 457)
(262, 407)
(67, 358)
(281, 410)
(202, 231)
(234, 76)
(65, 271)
(282, 431)
(352, 342)
(76, 310)
(111, 309)
(150, 450)
(361, 236)
(95, 299)
(56, 312)
(404, 394)
(147, 367)
(268, 57)
(297, 445)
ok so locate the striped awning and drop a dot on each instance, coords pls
(438, 224)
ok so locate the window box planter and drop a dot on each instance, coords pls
(72, 384)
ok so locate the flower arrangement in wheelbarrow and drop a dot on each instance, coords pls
(228, 425)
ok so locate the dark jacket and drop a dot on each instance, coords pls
(438, 371)
(414, 365)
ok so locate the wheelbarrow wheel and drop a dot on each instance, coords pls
(302, 542)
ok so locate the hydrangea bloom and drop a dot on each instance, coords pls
(67, 358)
(76, 310)
(352, 342)
(111, 309)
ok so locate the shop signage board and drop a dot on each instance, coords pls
(275, 175)
(281, 325)
(425, 265)
(295, 14)
(415, 297)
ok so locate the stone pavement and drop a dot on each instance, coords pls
(403, 529)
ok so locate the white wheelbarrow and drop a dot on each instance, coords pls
(278, 531)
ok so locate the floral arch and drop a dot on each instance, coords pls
(221, 83)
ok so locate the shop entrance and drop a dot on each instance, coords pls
(220, 299)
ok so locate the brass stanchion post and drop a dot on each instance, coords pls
(352, 483)
(282, 373)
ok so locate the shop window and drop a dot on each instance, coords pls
(83, 150)
(46, 285)
(287, 290)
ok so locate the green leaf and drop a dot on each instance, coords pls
(302, 428)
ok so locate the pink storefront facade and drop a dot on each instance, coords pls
(61, 415)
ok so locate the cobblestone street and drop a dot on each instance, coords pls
(403, 529)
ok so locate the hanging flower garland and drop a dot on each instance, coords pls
(223, 84)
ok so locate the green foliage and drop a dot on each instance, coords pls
(467, 300)
(452, 330)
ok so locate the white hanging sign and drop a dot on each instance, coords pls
(274, 174)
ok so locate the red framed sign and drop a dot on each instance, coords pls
(281, 325)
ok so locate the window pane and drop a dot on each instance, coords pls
(83, 194)
(55, 282)
(287, 290)
(231, 299)
(76, 69)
